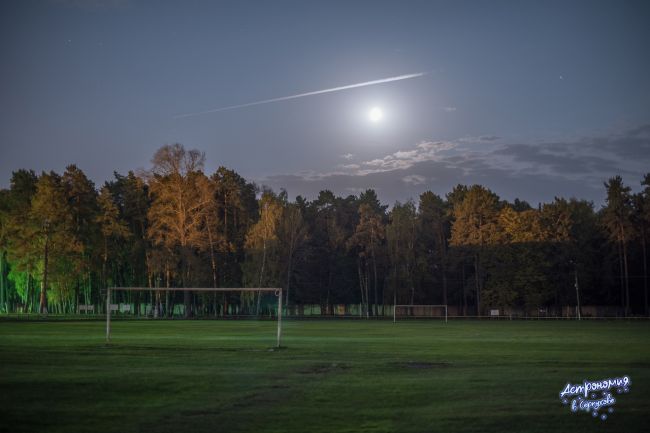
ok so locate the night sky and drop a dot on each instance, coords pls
(532, 99)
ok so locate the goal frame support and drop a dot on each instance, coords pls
(416, 305)
(277, 292)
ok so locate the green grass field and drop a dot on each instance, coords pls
(333, 376)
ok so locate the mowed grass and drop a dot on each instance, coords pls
(333, 376)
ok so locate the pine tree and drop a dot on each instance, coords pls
(292, 234)
(51, 220)
(475, 225)
(262, 236)
(21, 251)
(642, 222)
(434, 224)
(82, 201)
(366, 241)
(112, 227)
(238, 210)
(617, 219)
(401, 235)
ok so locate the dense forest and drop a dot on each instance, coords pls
(63, 241)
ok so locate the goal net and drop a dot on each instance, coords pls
(419, 312)
(234, 303)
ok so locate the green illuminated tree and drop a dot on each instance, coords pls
(51, 220)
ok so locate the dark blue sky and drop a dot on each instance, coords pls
(532, 99)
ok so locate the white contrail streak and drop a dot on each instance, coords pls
(302, 95)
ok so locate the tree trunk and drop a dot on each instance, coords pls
(187, 303)
(154, 297)
(43, 300)
(395, 283)
(621, 273)
(28, 296)
(168, 311)
(443, 264)
(3, 290)
(462, 287)
(409, 278)
(286, 303)
(374, 269)
(627, 281)
(259, 294)
(645, 271)
(289, 266)
(75, 304)
(172, 304)
(394, 297)
(225, 216)
(444, 285)
(360, 285)
(104, 263)
(187, 296)
(367, 285)
(213, 261)
(478, 284)
(224, 308)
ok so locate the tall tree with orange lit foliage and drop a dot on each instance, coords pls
(474, 227)
(51, 220)
(178, 207)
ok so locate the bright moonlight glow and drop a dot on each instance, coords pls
(375, 114)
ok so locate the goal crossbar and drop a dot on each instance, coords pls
(196, 289)
(395, 307)
(276, 291)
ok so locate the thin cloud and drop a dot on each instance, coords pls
(589, 159)
(403, 159)
(302, 95)
(414, 179)
(534, 172)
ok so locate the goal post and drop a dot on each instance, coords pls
(276, 291)
(418, 311)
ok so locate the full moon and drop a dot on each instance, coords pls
(375, 114)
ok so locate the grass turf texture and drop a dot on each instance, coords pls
(334, 376)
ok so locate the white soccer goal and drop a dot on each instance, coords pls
(276, 291)
(419, 312)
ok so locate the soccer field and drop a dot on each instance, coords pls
(333, 376)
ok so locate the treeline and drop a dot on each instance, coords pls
(62, 242)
